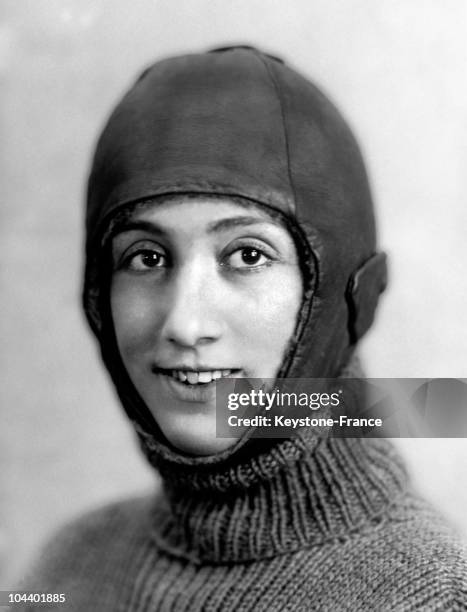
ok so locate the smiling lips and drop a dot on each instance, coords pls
(193, 377)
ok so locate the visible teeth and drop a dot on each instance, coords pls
(192, 377)
(203, 377)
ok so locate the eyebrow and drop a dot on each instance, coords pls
(128, 226)
(213, 227)
(243, 221)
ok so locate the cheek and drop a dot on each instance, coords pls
(135, 317)
(269, 313)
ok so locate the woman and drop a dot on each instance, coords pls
(230, 233)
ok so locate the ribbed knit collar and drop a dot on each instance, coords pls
(300, 493)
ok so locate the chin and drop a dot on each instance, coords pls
(195, 438)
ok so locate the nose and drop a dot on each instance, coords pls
(193, 314)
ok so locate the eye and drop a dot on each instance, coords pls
(145, 259)
(248, 257)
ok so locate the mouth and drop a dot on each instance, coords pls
(190, 377)
(192, 387)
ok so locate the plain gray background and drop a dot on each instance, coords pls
(397, 70)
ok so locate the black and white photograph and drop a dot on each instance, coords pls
(234, 321)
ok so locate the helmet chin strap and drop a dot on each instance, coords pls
(362, 294)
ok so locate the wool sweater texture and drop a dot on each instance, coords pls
(327, 526)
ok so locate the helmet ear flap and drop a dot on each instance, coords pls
(363, 290)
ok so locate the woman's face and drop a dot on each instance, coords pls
(201, 289)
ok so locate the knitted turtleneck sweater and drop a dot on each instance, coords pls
(331, 526)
